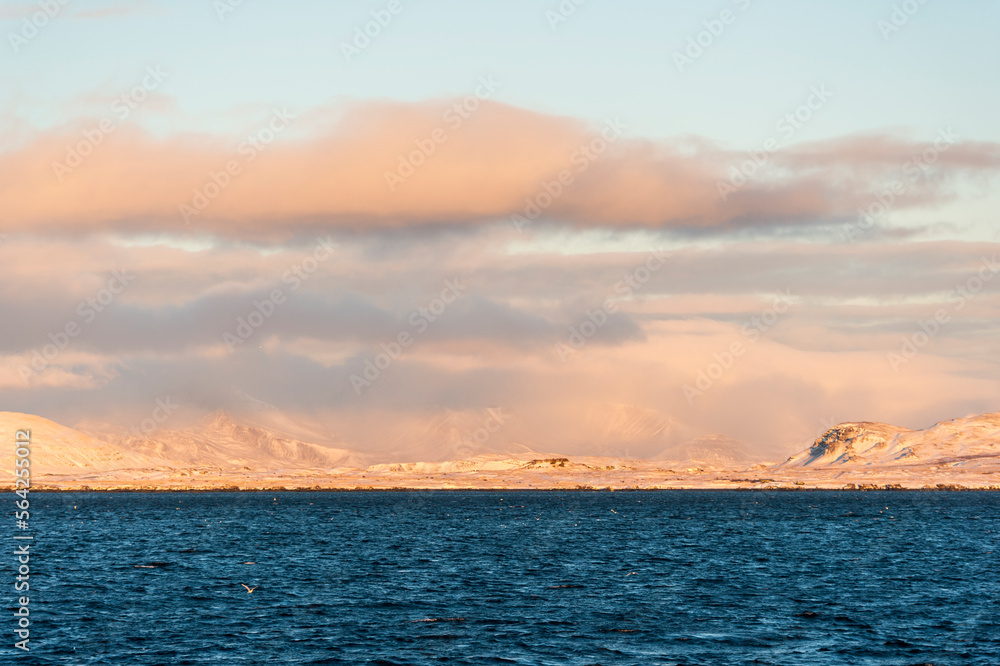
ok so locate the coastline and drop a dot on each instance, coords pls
(452, 485)
(279, 489)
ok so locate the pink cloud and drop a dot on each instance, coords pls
(351, 172)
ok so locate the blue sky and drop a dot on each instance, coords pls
(605, 59)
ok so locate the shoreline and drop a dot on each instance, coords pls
(580, 489)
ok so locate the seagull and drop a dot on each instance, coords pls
(250, 589)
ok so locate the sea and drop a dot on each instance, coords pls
(509, 577)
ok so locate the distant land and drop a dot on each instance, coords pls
(221, 453)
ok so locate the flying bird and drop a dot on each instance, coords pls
(250, 589)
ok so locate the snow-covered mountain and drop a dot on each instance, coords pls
(964, 440)
(716, 451)
(57, 449)
(447, 435)
(443, 450)
(216, 442)
(219, 441)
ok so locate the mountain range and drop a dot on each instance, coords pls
(265, 449)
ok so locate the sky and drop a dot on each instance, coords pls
(739, 219)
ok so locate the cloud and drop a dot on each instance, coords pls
(387, 165)
(496, 345)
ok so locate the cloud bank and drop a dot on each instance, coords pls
(455, 163)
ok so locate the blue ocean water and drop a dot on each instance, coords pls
(674, 577)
